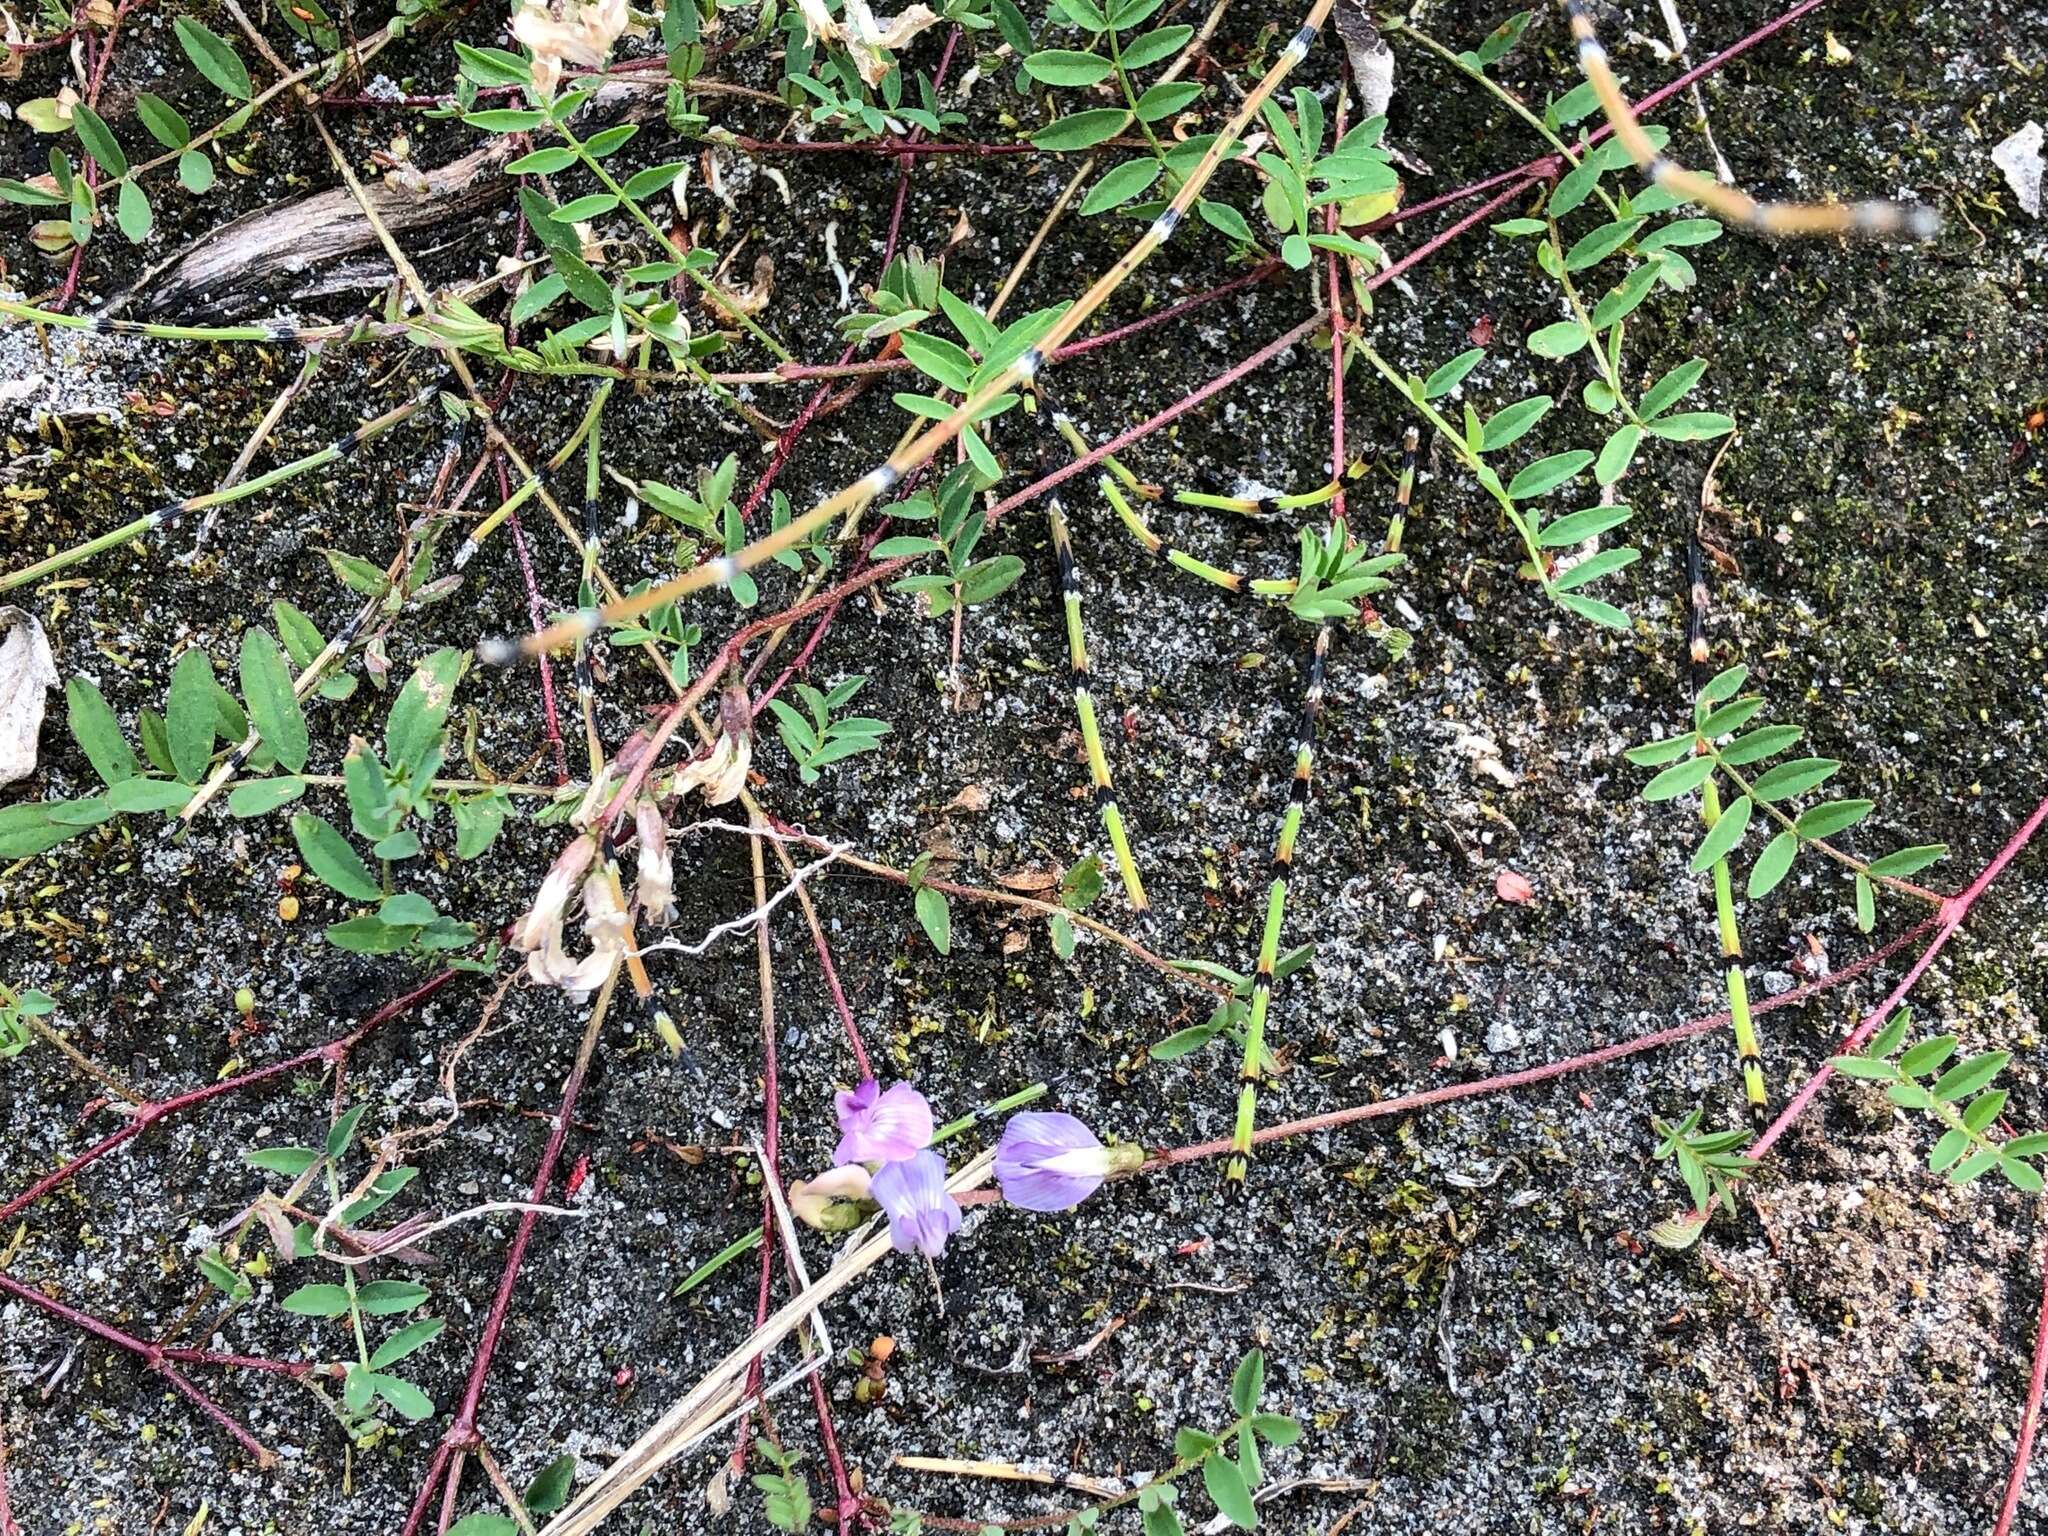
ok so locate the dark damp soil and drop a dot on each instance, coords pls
(1461, 1305)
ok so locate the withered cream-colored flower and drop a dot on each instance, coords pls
(604, 919)
(567, 32)
(551, 906)
(864, 35)
(656, 888)
(539, 933)
(722, 772)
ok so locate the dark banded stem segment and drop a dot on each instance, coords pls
(1404, 493)
(1276, 911)
(1084, 707)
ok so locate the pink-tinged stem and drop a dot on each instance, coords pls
(1257, 274)
(846, 1019)
(1947, 921)
(536, 615)
(906, 148)
(153, 1357)
(143, 1116)
(461, 1434)
(2030, 1416)
(1508, 1081)
(845, 369)
(803, 657)
(1438, 241)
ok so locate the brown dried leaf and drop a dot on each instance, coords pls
(1030, 881)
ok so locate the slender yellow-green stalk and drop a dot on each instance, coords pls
(1276, 910)
(1737, 207)
(1230, 581)
(166, 516)
(1084, 706)
(1405, 492)
(533, 482)
(886, 476)
(1746, 1050)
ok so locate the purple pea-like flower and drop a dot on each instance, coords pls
(1052, 1162)
(878, 1126)
(922, 1213)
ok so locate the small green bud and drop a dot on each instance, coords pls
(245, 1001)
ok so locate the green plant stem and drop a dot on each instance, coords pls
(1455, 439)
(1610, 373)
(675, 252)
(1254, 1059)
(1846, 860)
(65, 559)
(1510, 100)
(1084, 708)
(1746, 1049)
(1123, 80)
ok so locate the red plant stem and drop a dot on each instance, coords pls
(1257, 274)
(728, 653)
(803, 657)
(846, 1019)
(906, 148)
(1073, 349)
(1442, 238)
(461, 1435)
(2030, 1416)
(143, 1116)
(153, 1357)
(849, 1501)
(1949, 918)
(1507, 1081)
(298, 1370)
(917, 136)
(536, 615)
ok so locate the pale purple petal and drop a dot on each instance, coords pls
(922, 1213)
(882, 1126)
(1049, 1162)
